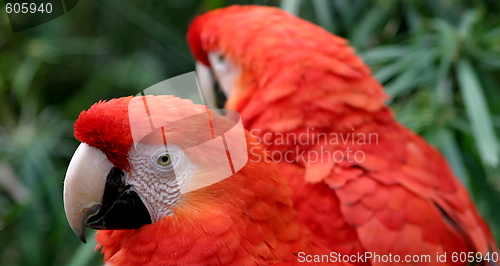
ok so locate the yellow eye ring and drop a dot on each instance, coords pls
(165, 160)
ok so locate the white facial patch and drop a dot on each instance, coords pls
(225, 71)
(158, 185)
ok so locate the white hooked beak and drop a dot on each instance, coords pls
(206, 81)
(84, 186)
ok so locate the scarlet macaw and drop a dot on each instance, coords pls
(312, 101)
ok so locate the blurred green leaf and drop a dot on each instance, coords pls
(477, 111)
(324, 15)
(291, 6)
(451, 151)
(85, 252)
(367, 26)
(384, 54)
(489, 58)
(443, 90)
(24, 77)
(157, 30)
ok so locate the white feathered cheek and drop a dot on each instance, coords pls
(225, 71)
(159, 175)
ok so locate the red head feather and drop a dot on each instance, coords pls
(107, 124)
(281, 55)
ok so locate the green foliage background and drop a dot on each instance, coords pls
(439, 59)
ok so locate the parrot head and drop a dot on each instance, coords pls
(141, 158)
(264, 54)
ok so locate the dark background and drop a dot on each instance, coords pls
(439, 59)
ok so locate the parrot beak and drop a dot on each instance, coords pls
(84, 186)
(206, 82)
(213, 95)
(96, 196)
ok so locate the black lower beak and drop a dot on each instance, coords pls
(220, 97)
(121, 207)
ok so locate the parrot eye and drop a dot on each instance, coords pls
(221, 58)
(218, 62)
(165, 160)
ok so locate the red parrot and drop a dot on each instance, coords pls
(148, 214)
(361, 181)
